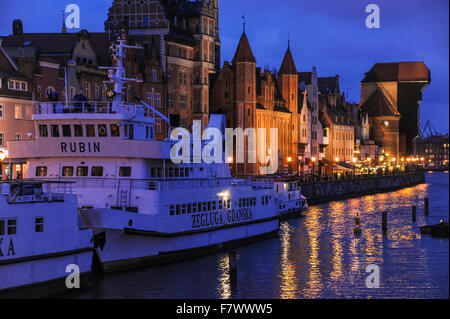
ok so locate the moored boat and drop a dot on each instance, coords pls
(142, 206)
(289, 199)
(40, 235)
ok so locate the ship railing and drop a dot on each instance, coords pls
(165, 184)
(91, 107)
(27, 191)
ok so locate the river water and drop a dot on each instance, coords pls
(317, 256)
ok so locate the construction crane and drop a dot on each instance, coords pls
(428, 130)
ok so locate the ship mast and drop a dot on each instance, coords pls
(116, 74)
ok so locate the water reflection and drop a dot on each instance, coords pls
(316, 257)
(224, 288)
(288, 271)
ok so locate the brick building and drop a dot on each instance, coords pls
(181, 50)
(252, 98)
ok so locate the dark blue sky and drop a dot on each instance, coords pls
(328, 34)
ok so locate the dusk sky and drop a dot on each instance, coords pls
(328, 34)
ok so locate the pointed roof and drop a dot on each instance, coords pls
(378, 105)
(288, 65)
(244, 51)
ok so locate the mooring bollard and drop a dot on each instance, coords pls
(414, 209)
(357, 229)
(233, 266)
(384, 222)
(426, 206)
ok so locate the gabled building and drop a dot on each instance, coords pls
(309, 82)
(337, 123)
(15, 111)
(251, 98)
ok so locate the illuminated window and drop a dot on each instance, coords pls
(2, 110)
(18, 112)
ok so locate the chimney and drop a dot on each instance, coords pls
(17, 27)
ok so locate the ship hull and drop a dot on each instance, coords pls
(129, 248)
(29, 276)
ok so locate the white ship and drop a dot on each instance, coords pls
(289, 200)
(142, 207)
(39, 235)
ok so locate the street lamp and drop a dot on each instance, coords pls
(2, 156)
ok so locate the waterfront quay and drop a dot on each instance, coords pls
(358, 185)
(317, 256)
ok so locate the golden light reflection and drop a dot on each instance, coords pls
(289, 281)
(224, 288)
(314, 284)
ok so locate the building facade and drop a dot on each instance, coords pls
(397, 86)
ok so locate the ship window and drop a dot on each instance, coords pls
(199, 206)
(189, 208)
(41, 171)
(186, 171)
(229, 203)
(183, 209)
(55, 130)
(102, 130)
(181, 172)
(12, 226)
(194, 207)
(172, 210)
(2, 227)
(82, 171)
(97, 171)
(66, 131)
(220, 204)
(125, 172)
(43, 130)
(39, 224)
(209, 206)
(115, 130)
(178, 209)
(67, 171)
(90, 130)
(214, 205)
(78, 130)
(171, 172)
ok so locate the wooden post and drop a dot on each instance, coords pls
(414, 209)
(233, 266)
(426, 206)
(384, 222)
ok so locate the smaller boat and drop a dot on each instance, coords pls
(440, 230)
(289, 200)
(40, 238)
